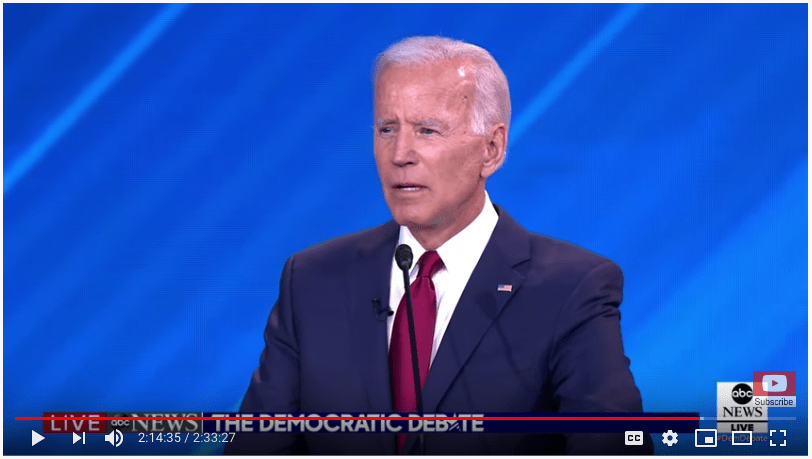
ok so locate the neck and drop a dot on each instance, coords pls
(433, 237)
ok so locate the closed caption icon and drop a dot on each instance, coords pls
(634, 437)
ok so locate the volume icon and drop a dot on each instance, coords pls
(115, 438)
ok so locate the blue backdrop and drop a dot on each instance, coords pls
(162, 161)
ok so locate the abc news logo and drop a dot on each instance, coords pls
(736, 409)
(742, 394)
(155, 425)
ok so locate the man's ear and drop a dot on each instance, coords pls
(495, 150)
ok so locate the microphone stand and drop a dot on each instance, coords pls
(418, 391)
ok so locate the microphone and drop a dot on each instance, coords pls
(380, 313)
(403, 258)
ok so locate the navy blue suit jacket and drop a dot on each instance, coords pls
(553, 343)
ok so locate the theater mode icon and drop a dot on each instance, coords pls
(744, 438)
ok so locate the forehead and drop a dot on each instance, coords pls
(448, 83)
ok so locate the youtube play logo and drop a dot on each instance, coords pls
(774, 388)
(774, 383)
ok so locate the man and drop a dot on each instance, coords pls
(506, 320)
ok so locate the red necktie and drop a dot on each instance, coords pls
(424, 305)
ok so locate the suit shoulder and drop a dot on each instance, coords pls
(561, 270)
(565, 257)
(345, 248)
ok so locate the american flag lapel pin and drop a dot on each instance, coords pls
(504, 288)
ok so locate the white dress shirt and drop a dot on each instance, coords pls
(460, 255)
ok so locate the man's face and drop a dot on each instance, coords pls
(429, 162)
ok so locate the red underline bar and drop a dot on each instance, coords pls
(376, 418)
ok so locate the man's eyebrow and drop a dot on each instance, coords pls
(384, 121)
(430, 123)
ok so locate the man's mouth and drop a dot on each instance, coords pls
(408, 187)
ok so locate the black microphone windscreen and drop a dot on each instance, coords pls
(403, 256)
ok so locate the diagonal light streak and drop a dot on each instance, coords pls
(34, 154)
(563, 78)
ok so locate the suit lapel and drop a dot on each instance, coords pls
(477, 308)
(369, 278)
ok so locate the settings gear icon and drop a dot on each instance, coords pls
(670, 437)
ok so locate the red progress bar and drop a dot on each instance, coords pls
(385, 418)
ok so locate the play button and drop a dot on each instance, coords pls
(36, 438)
(774, 383)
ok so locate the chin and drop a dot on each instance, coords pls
(411, 219)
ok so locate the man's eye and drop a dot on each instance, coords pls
(385, 130)
(427, 131)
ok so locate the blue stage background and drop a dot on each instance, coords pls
(162, 161)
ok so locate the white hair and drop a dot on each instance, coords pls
(491, 94)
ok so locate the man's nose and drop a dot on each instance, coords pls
(404, 149)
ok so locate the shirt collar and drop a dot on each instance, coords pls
(462, 251)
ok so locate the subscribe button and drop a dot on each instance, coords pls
(774, 388)
(634, 437)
